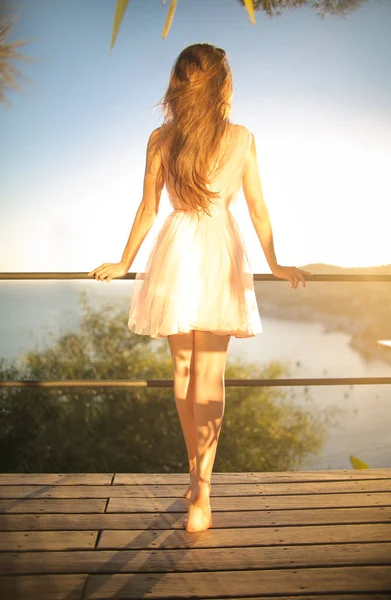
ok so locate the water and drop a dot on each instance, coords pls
(31, 309)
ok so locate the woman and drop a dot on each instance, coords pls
(197, 289)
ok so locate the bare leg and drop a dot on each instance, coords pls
(181, 347)
(210, 356)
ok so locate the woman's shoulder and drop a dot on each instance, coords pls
(243, 135)
(242, 128)
(235, 126)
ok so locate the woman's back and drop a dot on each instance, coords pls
(227, 180)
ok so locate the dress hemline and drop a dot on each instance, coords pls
(179, 329)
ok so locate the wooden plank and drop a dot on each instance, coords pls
(43, 587)
(56, 478)
(170, 520)
(254, 477)
(370, 596)
(53, 506)
(47, 540)
(255, 536)
(176, 491)
(144, 505)
(182, 478)
(195, 559)
(219, 583)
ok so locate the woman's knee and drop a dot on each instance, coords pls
(182, 371)
(208, 376)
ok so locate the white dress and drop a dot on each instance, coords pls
(198, 274)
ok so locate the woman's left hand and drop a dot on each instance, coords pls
(108, 271)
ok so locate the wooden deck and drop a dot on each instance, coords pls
(302, 535)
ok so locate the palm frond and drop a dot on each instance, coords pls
(9, 74)
(170, 17)
(120, 8)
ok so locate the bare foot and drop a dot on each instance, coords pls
(190, 489)
(188, 492)
(199, 516)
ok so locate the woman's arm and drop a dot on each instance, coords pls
(260, 217)
(252, 190)
(149, 205)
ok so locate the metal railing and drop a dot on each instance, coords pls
(283, 382)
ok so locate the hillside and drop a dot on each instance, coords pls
(362, 309)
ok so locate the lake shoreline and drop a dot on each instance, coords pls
(361, 340)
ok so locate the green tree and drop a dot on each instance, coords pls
(78, 429)
(275, 7)
(269, 7)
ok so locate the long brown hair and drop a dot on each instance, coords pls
(196, 106)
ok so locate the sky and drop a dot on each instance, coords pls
(315, 92)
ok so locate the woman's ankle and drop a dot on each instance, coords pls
(203, 483)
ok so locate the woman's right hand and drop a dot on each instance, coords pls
(292, 274)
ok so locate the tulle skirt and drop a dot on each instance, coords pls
(198, 276)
